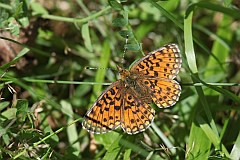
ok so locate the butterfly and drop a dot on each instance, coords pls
(126, 102)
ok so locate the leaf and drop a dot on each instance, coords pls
(14, 28)
(127, 154)
(235, 153)
(214, 7)
(197, 147)
(119, 22)
(113, 150)
(115, 5)
(22, 106)
(86, 37)
(38, 8)
(107, 139)
(54, 137)
(125, 33)
(9, 114)
(132, 47)
(20, 54)
(3, 105)
(71, 130)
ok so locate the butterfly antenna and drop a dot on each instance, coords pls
(125, 49)
(96, 68)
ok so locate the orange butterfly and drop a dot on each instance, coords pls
(125, 102)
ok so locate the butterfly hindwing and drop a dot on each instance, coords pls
(137, 115)
(165, 93)
(105, 113)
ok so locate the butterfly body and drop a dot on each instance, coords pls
(126, 102)
(133, 81)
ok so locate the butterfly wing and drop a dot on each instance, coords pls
(163, 63)
(137, 115)
(105, 113)
(119, 106)
(158, 69)
(164, 93)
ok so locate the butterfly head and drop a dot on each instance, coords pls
(123, 73)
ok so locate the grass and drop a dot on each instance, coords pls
(46, 88)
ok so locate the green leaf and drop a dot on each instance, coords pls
(14, 28)
(9, 114)
(4, 104)
(20, 54)
(38, 9)
(119, 22)
(24, 21)
(213, 137)
(198, 145)
(113, 150)
(214, 7)
(86, 37)
(106, 139)
(169, 5)
(17, 8)
(133, 47)
(134, 147)
(54, 137)
(225, 92)
(6, 138)
(71, 130)
(3, 18)
(115, 5)
(235, 153)
(125, 33)
(127, 154)
(189, 50)
(22, 106)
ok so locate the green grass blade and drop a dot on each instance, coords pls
(189, 50)
(127, 154)
(164, 138)
(235, 153)
(20, 55)
(198, 146)
(134, 147)
(204, 144)
(225, 92)
(214, 7)
(71, 130)
(212, 136)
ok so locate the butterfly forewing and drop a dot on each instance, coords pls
(105, 113)
(164, 62)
